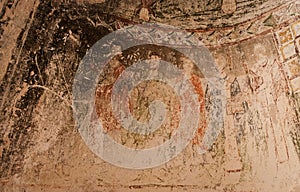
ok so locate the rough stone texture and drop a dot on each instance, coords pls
(256, 46)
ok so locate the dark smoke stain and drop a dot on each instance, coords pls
(53, 22)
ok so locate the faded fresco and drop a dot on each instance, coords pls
(254, 51)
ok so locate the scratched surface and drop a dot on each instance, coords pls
(256, 46)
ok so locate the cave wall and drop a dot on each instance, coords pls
(255, 45)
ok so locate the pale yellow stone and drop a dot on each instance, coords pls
(229, 6)
(296, 28)
(296, 84)
(144, 14)
(288, 50)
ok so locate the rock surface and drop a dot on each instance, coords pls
(256, 47)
